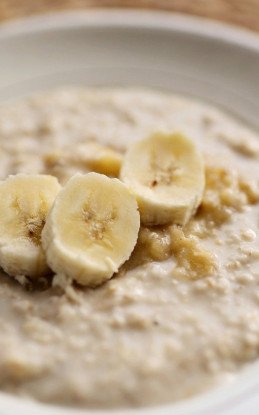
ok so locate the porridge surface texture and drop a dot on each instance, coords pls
(182, 314)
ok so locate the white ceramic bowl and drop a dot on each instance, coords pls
(171, 52)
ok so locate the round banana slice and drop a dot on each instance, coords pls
(91, 229)
(25, 201)
(166, 174)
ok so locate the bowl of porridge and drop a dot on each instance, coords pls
(129, 221)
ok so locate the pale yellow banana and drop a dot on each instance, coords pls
(91, 229)
(166, 174)
(25, 201)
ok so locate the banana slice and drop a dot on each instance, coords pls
(90, 156)
(91, 229)
(25, 201)
(102, 159)
(166, 174)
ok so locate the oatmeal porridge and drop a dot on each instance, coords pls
(181, 315)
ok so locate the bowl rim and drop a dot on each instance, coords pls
(130, 18)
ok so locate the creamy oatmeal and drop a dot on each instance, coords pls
(182, 314)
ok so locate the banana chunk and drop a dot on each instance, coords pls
(25, 201)
(102, 159)
(166, 174)
(91, 229)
